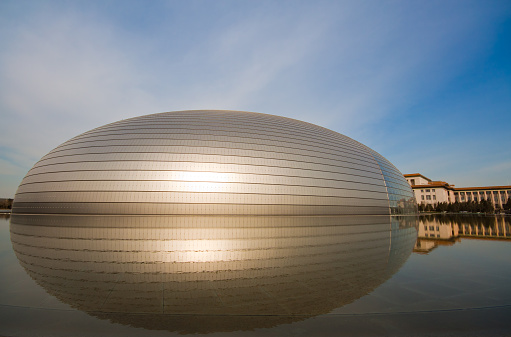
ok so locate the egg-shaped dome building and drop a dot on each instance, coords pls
(213, 162)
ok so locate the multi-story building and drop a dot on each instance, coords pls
(431, 192)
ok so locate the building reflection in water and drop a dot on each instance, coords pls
(442, 229)
(204, 274)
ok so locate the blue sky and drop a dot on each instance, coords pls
(425, 83)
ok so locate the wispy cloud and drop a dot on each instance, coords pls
(349, 66)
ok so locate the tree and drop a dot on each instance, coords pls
(507, 205)
(5, 203)
(486, 206)
(442, 207)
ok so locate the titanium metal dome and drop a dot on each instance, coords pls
(213, 162)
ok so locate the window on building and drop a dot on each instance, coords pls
(434, 197)
(422, 197)
(432, 190)
(427, 191)
(428, 197)
(422, 191)
(431, 228)
(425, 227)
(413, 181)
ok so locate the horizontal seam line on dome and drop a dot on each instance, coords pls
(295, 256)
(123, 238)
(203, 192)
(30, 261)
(398, 186)
(72, 141)
(173, 228)
(234, 134)
(225, 125)
(207, 113)
(396, 180)
(240, 183)
(258, 118)
(343, 150)
(235, 122)
(288, 128)
(201, 154)
(91, 251)
(81, 214)
(278, 120)
(216, 182)
(122, 161)
(196, 203)
(174, 251)
(219, 238)
(395, 175)
(226, 172)
(337, 136)
(401, 188)
(200, 146)
(194, 226)
(301, 177)
(202, 140)
(393, 184)
(221, 127)
(245, 239)
(187, 154)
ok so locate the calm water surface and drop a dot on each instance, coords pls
(255, 276)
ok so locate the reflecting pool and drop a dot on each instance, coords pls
(254, 275)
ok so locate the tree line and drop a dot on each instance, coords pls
(463, 219)
(5, 203)
(483, 206)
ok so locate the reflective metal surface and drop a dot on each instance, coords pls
(213, 162)
(210, 273)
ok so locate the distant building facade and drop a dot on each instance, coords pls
(432, 192)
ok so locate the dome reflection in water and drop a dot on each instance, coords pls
(201, 274)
